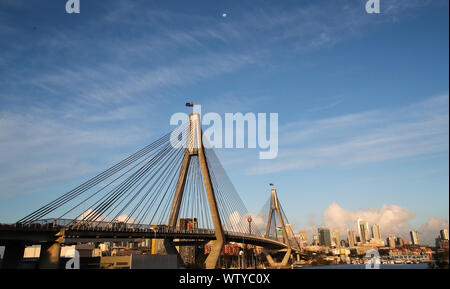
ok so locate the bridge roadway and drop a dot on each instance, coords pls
(48, 231)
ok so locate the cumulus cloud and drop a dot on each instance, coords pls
(430, 230)
(391, 218)
(125, 218)
(240, 223)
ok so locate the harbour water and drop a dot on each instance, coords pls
(363, 266)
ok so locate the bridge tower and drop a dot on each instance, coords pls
(194, 147)
(275, 208)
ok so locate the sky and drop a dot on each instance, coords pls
(362, 100)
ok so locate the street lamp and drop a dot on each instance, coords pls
(249, 219)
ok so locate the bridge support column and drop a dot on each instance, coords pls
(284, 262)
(172, 250)
(13, 257)
(49, 256)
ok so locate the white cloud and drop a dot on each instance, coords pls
(430, 230)
(392, 219)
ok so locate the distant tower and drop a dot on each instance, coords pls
(376, 234)
(325, 237)
(444, 234)
(391, 241)
(337, 238)
(363, 228)
(414, 237)
(351, 237)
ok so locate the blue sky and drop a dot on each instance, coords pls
(362, 99)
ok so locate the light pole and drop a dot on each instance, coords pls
(249, 219)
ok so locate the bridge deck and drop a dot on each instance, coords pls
(41, 233)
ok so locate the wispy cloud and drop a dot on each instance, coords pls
(373, 136)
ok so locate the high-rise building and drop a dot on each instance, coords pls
(315, 239)
(414, 237)
(336, 238)
(351, 237)
(303, 238)
(324, 237)
(444, 234)
(363, 228)
(376, 234)
(402, 242)
(391, 241)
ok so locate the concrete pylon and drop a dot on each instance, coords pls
(13, 257)
(194, 146)
(50, 252)
(275, 208)
(49, 256)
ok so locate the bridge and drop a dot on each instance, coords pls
(174, 189)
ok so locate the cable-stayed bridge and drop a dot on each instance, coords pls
(173, 189)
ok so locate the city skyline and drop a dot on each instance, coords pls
(369, 141)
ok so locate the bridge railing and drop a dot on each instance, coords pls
(80, 225)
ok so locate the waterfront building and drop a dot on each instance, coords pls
(351, 237)
(391, 241)
(363, 229)
(336, 238)
(303, 238)
(376, 234)
(444, 234)
(315, 239)
(414, 237)
(325, 237)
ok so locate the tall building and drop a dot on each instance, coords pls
(391, 241)
(363, 228)
(444, 234)
(351, 236)
(376, 234)
(315, 239)
(324, 237)
(402, 241)
(303, 238)
(414, 237)
(336, 238)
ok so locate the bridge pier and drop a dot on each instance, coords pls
(284, 262)
(49, 256)
(172, 250)
(13, 257)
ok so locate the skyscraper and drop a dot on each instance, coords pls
(303, 238)
(315, 239)
(351, 236)
(363, 228)
(444, 234)
(376, 234)
(337, 238)
(324, 237)
(391, 241)
(414, 237)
